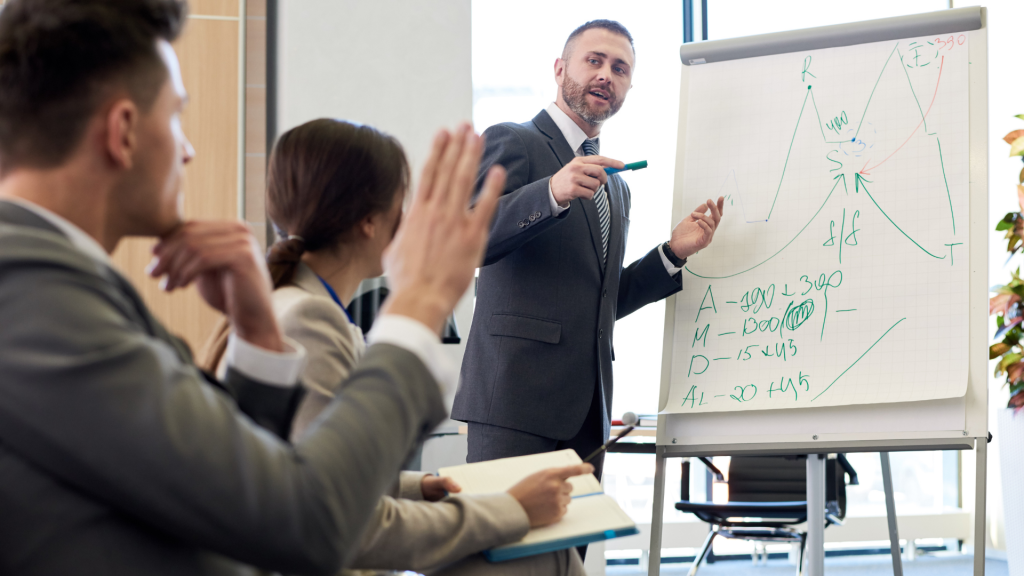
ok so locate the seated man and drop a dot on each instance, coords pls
(116, 455)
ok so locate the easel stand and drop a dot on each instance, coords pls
(815, 556)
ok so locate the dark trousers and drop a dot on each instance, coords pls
(487, 442)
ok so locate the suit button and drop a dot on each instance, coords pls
(533, 217)
(604, 294)
(537, 214)
(600, 333)
(522, 224)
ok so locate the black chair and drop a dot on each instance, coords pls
(767, 497)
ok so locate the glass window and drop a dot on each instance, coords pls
(732, 18)
(514, 52)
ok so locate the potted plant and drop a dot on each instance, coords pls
(1007, 304)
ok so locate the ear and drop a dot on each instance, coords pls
(368, 227)
(122, 127)
(559, 71)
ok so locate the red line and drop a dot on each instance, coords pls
(863, 170)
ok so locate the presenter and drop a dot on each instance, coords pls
(537, 373)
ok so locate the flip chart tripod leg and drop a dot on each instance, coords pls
(980, 477)
(815, 515)
(654, 564)
(890, 513)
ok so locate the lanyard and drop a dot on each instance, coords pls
(334, 296)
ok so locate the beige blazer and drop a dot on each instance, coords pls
(403, 534)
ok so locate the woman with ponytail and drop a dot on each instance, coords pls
(334, 194)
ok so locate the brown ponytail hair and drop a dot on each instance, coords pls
(324, 178)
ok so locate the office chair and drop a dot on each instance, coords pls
(767, 498)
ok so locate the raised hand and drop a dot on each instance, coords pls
(441, 241)
(696, 231)
(224, 260)
(545, 494)
(581, 178)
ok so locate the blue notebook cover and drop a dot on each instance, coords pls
(503, 554)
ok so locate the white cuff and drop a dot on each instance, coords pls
(672, 269)
(412, 335)
(555, 208)
(275, 368)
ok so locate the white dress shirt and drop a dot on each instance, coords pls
(575, 136)
(284, 368)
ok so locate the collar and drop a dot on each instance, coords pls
(572, 133)
(78, 238)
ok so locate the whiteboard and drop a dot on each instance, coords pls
(844, 172)
(863, 387)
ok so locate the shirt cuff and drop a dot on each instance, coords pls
(555, 208)
(274, 368)
(672, 269)
(410, 485)
(415, 337)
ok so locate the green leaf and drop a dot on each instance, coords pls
(1021, 116)
(1003, 225)
(999, 321)
(1017, 148)
(1009, 359)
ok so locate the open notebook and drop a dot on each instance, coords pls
(592, 515)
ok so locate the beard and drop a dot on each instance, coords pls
(575, 96)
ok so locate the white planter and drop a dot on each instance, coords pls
(1011, 461)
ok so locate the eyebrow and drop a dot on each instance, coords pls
(603, 55)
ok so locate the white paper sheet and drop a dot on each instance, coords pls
(839, 273)
(500, 475)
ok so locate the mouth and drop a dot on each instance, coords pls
(600, 94)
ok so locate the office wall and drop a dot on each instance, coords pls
(212, 62)
(403, 67)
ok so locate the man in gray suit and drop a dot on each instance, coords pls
(117, 456)
(537, 374)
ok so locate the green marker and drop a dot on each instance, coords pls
(631, 166)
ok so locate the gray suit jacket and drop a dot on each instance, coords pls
(402, 534)
(541, 341)
(116, 457)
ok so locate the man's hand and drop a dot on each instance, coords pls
(435, 488)
(441, 241)
(695, 231)
(224, 261)
(545, 495)
(581, 178)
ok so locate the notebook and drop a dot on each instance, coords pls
(592, 514)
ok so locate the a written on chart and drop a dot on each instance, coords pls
(839, 272)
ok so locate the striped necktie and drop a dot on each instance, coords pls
(591, 148)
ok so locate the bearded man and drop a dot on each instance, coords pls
(537, 374)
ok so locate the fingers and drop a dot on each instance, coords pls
(604, 161)
(451, 485)
(441, 190)
(721, 206)
(195, 245)
(466, 171)
(716, 210)
(704, 218)
(429, 172)
(595, 172)
(574, 470)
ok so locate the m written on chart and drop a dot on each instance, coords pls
(537, 374)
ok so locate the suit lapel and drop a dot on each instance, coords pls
(565, 154)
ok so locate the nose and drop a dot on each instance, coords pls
(188, 152)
